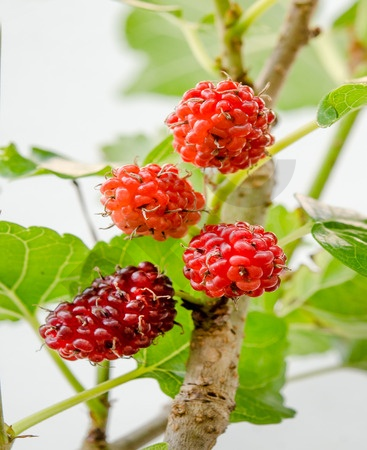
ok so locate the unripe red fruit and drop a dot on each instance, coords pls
(151, 200)
(234, 259)
(224, 126)
(116, 316)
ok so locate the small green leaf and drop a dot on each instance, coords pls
(37, 266)
(306, 342)
(346, 241)
(159, 446)
(320, 211)
(356, 356)
(14, 165)
(361, 22)
(347, 18)
(166, 362)
(167, 255)
(163, 152)
(127, 148)
(170, 66)
(261, 371)
(339, 102)
(44, 162)
(150, 6)
(339, 310)
(305, 282)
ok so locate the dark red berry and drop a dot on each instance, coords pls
(116, 316)
(151, 200)
(234, 259)
(224, 126)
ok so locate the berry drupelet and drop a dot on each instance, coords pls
(234, 259)
(116, 316)
(151, 200)
(224, 126)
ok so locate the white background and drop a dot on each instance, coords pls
(63, 65)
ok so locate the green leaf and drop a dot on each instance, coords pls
(151, 6)
(347, 18)
(361, 22)
(163, 152)
(339, 102)
(283, 222)
(339, 310)
(170, 66)
(306, 342)
(300, 285)
(44, 162)
(356, 355)
(261, 371)
(167, 255)
(166, 362)
(345, 241)
(159, 446)
(127, 148)
(12, 164)
(37, 266)
(320, 211)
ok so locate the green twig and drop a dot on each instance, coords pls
(103, 374)
(230, 60)
(314, 373)
(190, 32)
(252, 13)
(335, 149)
(4, 438)
(234, 180)
(85, 396)
(296, 234)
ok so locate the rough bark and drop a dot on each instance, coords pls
(294, 34)
(201, 410)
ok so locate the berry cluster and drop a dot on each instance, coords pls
(224, 126)
(151, 200)
(234, 259)
(118, 315)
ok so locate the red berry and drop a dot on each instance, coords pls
(116, 316)
(224, 126)
(151, 200)
(234, 259)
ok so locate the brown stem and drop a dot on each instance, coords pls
(294, 34)
(201, 410)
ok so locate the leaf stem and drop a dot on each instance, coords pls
(314, 373)
(232, 181)
(85, 396)
(331, 157)
(4, 438)
(203, 300)
(84, 210)
(252, 13)
(296, 234)
(190, 33)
